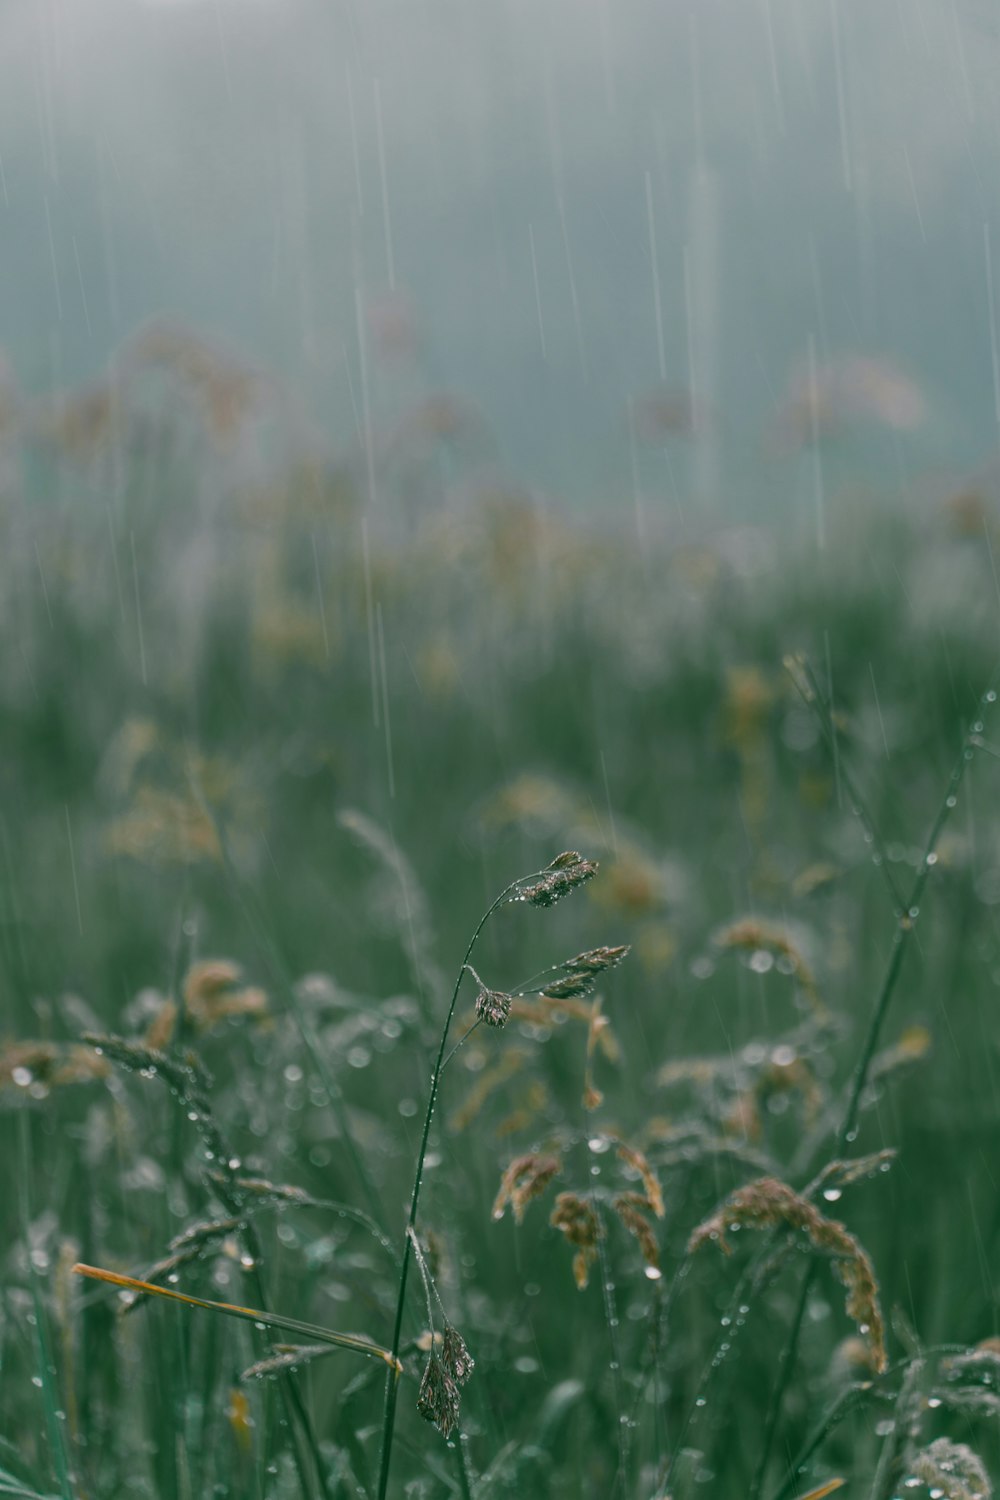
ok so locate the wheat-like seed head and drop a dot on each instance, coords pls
(770, 1204)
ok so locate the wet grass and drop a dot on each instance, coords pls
(248, 847)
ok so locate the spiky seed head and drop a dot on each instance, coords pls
(455, 1356)
(493, 1007)
(438, 1398)
(526, 1177)
(580, 973)
(952, 1470)
(581, 1226)
(563, 875)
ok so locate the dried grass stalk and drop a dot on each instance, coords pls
(770, 1204)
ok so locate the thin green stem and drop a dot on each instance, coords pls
(392, 1379)
(847, 1130)
(812, 695)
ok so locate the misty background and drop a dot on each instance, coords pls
(562, 210)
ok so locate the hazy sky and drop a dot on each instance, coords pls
(583, 200)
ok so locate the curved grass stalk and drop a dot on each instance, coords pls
(255, 1315)
(558, 884)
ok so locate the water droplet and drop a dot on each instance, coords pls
(598, 1144)
(933, 1400)
(831, 1194)
(932, 858)
(37, 1380)
(761, 961)
(22, 1077)
(653, 1273)
(951, 801)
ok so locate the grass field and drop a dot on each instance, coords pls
(265, 766)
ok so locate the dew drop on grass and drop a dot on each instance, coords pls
(37, 1380)
(832, 1194)
(654, 1273)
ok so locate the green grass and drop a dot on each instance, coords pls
(224, 787)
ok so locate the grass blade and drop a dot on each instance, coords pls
(248, 1314)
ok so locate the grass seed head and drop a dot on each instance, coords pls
(525, 1178)
(438, 1399)
(493, 1007)
(638, 1162)
(455, 1356)
(770, 1204)
(629, 1208)
(564, 874)
(580, 973)
(952, 1471)
(577, 1220)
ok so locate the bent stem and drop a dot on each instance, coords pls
(392, 1379)
(905, 923)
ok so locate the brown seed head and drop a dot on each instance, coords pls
(768, 1204)
(563, 875)
(455, 1356)
(438, 1398)
(637, 1161)
(493, 1007)
(629, 1208)
(525, 1178)
(581, 1226)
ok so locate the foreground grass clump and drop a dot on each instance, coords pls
(508, 1220)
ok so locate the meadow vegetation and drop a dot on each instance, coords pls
(708, 1203)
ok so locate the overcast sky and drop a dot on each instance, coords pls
(583, 201)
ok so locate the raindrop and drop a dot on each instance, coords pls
(654, 1273)
(22, 1077)
(832, 1194)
